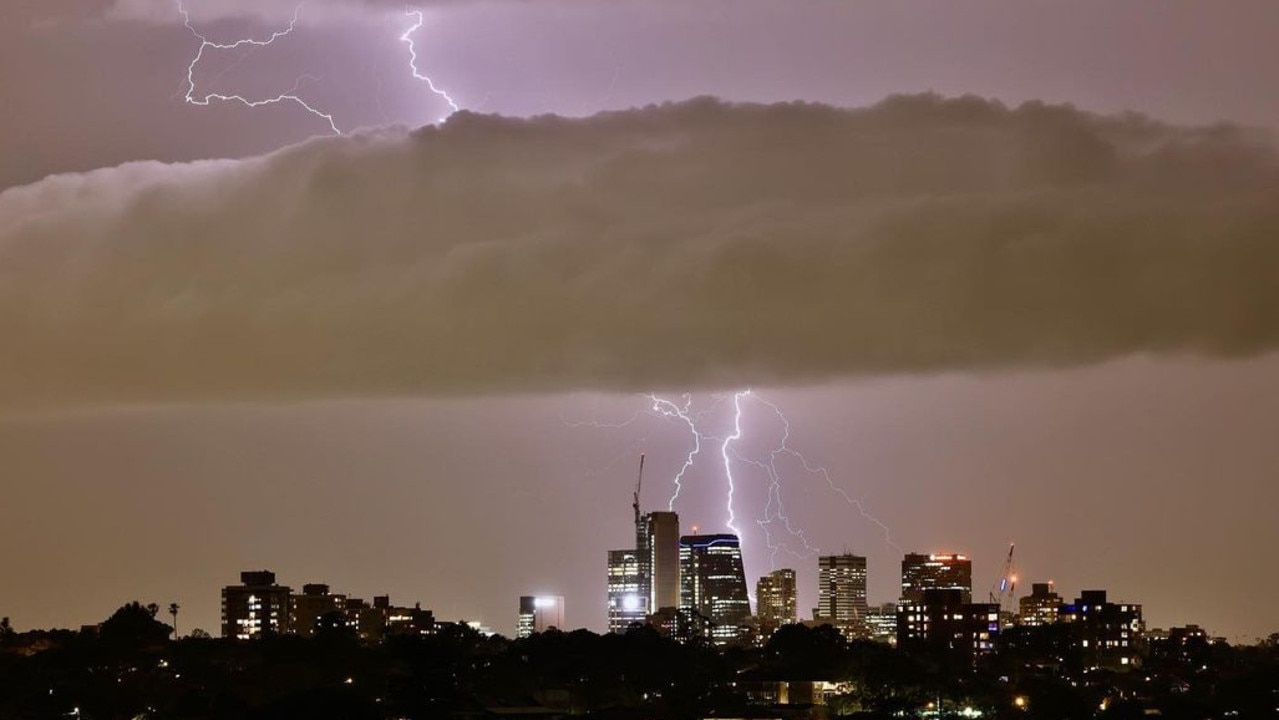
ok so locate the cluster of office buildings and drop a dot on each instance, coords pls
(690, 585)
(695, 586)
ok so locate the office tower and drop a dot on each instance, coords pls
(1040, 607)
(644, 580)
(315, 602)
(881, 623)
(713, 583)
(942, 619)
(775, 597)
(1108, 635)
(539, 614)
(841, 589)
(657, 542)
(936, 572)
(627, 602)
(255, 607)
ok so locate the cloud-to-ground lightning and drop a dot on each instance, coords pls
(289, 96)
(728, 462)
(774, 509)
(670, 409)
(407, 39)
(732, 450)
(784, 449)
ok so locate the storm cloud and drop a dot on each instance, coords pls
(165, 11)
(697, 244)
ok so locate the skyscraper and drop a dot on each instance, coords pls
(255, 607)
(539, 614)
(627, 602)
(936, 572)
(775, 596)
(841, 589)
(657, 540)
(646, 579)
(713, 583)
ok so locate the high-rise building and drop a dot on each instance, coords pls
(315, 602)
(255, 607)
(646, 579)
(1040, 607)
(775, 597)
(1108, 635)
(936, 572)
(657, 542)
(627, 602)
(841, 589)
(713, 583)
(942, 619)
(539, 614)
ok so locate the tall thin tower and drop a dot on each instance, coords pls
(646, 579)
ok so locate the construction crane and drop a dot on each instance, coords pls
(1007, 581)
(638, 484)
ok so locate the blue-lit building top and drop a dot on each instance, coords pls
(713, 584)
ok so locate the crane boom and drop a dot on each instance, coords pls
(1007, 580)
(639, 483)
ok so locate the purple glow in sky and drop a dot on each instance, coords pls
(386, 359)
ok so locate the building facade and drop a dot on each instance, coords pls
(776, 598)
(627, 599)
(1041, 607)
(657, 544)
(881, 623)
(841, 589)
(941, 620)
(256, 607)
(539, 614)
(713, 584)
(1107, 635)
(936, 572)
(315, 602)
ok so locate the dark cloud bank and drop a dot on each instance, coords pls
(691, 244)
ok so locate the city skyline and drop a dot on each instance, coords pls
(867, 278)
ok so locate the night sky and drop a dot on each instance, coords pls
(1009, 270)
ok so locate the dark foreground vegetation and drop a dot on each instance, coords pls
(128, 668)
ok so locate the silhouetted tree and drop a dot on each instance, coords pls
(173, 610)
(134, 624)
(798, 652)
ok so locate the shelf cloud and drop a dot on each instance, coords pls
(696, 244)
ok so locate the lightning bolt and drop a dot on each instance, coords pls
(728, 463)
(407, 39)
(670, 409)
(778, 514)
(784, 449)
(602, 425)
(289, 96)
(774, 512)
